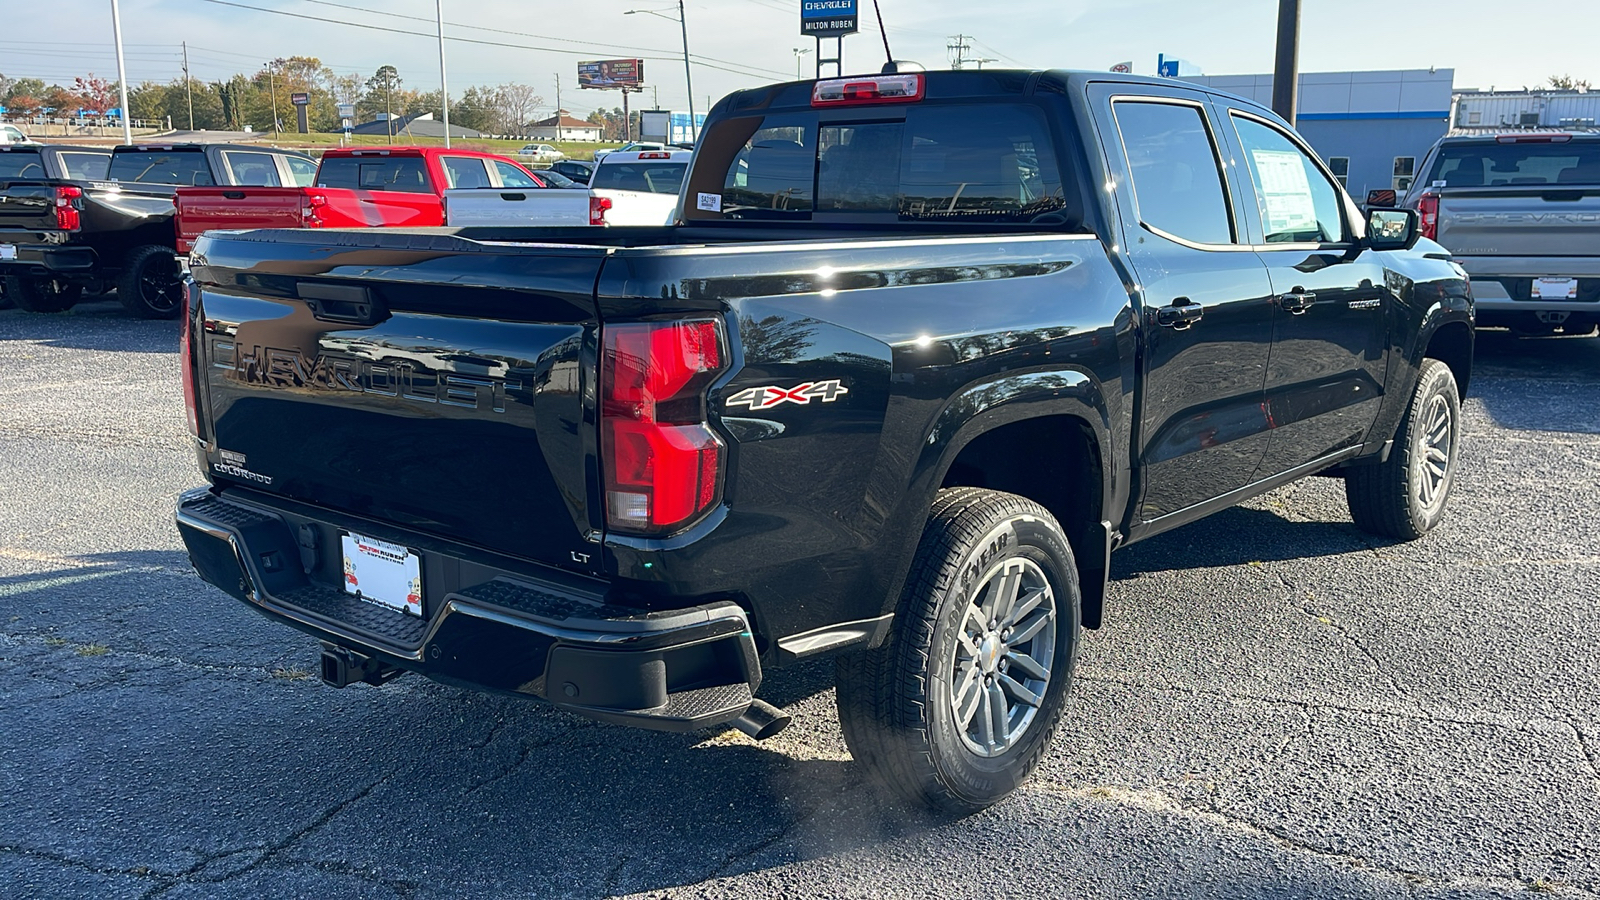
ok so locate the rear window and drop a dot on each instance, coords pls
(86, 166)
(407, 174)
(1492, 165)
(21, 165)
(179, 167)
(950, 163)
(649, 176)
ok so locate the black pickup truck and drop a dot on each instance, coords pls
(64, 231)
(922, 351)
(24, 162)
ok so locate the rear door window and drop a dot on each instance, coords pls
(1495, 165)
(177, 167)
(1177, 176)
(406, 174)
(86, 166)
(303, 171)
(253, 169)
(942, 163)
(511, 176)
(465, 172)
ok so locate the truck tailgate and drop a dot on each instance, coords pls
(414, 378)
(519, 206)
(202, 209)
(27, 206)
(1553, 220)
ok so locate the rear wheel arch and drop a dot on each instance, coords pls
(1451, 344)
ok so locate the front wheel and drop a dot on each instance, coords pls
(151, 285)
(959, 704)
(42, 295)
(1404, 496)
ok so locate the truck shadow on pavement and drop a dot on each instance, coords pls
(1537, 384)
(96, 324)
(1239, 536)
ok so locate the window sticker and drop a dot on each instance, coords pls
(1286, 199)
(710, 202)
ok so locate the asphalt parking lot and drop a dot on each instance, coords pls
(1279, 707)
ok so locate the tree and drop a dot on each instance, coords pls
(23, 106)
(62, 102)
(514, 106)
(1567, 83)
(476, 110)
(30, 87)
(381, 88)
(96, 95)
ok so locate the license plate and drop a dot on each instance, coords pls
(383, 573)
(1555, 289)
(8, 251)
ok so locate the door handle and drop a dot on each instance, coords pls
(1181, 315)
(1297, 301)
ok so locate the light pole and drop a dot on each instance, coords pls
(444, 85)
(799, 74)
(122, 75)
(688, 78)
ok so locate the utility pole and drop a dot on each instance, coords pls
(444, 84)
(272, 85)
(388, 108)
(188, 84)
(558, 107)
(688, 79)
(655, 97)
(958, 51)
(1286, 70)
(122, 75)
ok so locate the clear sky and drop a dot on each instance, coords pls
(756, 39)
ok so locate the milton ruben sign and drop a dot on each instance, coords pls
(828, 18)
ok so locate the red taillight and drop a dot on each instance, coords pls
(68, 201)
(1546, 138)
(868, 89)
(597, 210)
(655, 154)
(186, 360)
(311, 210)
(662, 461)
(1428, 212)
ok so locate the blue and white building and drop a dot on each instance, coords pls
(1372, 128)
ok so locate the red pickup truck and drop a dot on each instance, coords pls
(354, 188)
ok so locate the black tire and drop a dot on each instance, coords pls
(1405, 496)
(896, 701)
(151, 284)
(5, 295)
(42, 295)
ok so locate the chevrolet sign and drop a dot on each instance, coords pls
(828, 18)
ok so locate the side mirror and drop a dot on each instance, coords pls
(1393, 229)
(1381, 198)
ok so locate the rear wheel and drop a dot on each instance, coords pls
(1404, 496)
(151, 285)
(42, 295)
(958, 706)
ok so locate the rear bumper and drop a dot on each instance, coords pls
(49, 259)
(1503, 284)
(674, 670)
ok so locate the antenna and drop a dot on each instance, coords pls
(888, 55)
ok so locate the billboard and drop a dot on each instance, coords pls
(828, 18)
(611, 74)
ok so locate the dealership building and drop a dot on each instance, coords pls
(1372, 128)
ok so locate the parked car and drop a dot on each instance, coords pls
(353, 188)
(62, 236)
(886, 393)
(554, 179)
(1521, 213)
(632, 188)
(540, 153)
(11, 134)
(575, 169)
(631, 147)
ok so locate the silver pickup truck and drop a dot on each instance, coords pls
(1521, 213)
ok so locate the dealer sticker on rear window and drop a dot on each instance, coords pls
(710, 202)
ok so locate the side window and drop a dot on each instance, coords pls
(771, 175)
(1177, 178)
(1298, 203)
(465, 172)
(511, 176)
(253, 169)
(1405, 168)
(1340, 167)
(304, 171)
(86, 166)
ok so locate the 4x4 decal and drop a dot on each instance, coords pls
(769, 396)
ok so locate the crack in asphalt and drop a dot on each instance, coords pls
(28, 640)
(65, 860)
(1158, 801)
(1310, 609)
(527, 751)
(1588, 751)
(268, 853)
